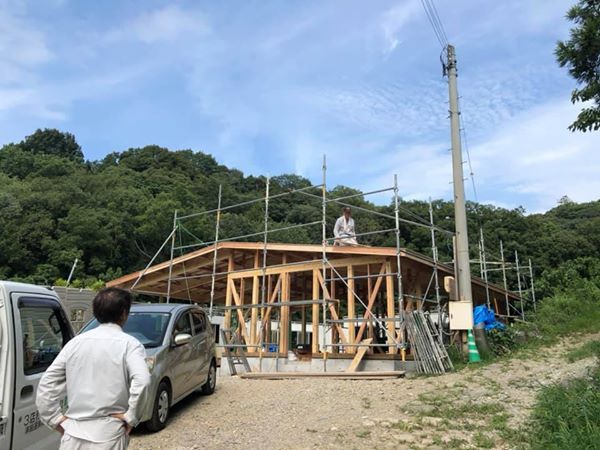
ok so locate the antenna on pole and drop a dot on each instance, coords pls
(460, 211)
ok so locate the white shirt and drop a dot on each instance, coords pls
(344, 231)
(102, 372)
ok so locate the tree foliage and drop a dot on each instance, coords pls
(115, 213)
(581, 55)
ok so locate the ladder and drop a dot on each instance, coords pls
(234, 351)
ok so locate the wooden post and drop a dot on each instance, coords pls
(334, 331)
(227, 318)
(284, 322)
(304, 295)
(419, 295)
(254, 312)
(389, 291)
(267, 324)
(242, 291)
(315, 311)
(351, 311)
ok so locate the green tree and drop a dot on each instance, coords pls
(50, 141)
(581, 55)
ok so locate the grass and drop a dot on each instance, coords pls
(481, 440)
(363, 434)
(567, 416)
(589, 349)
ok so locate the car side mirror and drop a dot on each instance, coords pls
(182, 339)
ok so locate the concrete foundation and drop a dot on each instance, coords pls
(317, 365)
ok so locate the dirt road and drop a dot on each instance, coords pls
(474, 408)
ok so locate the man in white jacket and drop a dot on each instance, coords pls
(344, 229)
(103, 374)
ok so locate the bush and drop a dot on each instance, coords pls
(576, 309)
(502, 341)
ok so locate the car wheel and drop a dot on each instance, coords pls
(160, 412)
(211, 382)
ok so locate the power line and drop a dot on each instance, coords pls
(435, 21)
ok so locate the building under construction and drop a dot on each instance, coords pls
(327, 300)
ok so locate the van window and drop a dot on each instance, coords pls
(183, 325)
(199, 320)
(44, 334)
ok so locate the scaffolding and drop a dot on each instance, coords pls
(275, 300)
(525, 283)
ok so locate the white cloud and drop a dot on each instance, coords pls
(168, 24)
(532, 159)
(23, 48)
(394, 20)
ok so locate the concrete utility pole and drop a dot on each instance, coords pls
(460, 212)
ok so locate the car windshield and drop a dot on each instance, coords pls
(147, 327)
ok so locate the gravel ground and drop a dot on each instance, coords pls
(474, 408)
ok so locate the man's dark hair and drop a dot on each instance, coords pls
(110, 304)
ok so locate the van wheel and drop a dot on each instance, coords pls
(211, 382)
(160, 412)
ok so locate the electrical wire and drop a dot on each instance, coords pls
(435, 21)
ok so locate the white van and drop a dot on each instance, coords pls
(33, 330)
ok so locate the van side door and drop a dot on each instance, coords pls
(41, 329)
(181, 357)
(201, 346)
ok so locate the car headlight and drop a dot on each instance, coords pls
(150, 361)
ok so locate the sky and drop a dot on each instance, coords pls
(269, 87)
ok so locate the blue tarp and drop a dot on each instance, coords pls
(482, 314)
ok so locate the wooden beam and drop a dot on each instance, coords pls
(315, 312)
(389, 292)
(370, 304)
(180, 269)
(359, 356)
(351, 310)
(291, 268)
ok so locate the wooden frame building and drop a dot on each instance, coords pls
(346, 293)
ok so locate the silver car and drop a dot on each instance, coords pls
(180, 353)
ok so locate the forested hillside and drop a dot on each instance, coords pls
(113, 214)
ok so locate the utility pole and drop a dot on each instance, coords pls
(460, 211)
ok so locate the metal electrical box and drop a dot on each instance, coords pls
(461, 315)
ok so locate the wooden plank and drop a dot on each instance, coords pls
(339, 375)
(351, 309)
(359, 356)
(370, 304)
(315, 312)
(391, 310)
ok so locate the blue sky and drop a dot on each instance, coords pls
(270, 86)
